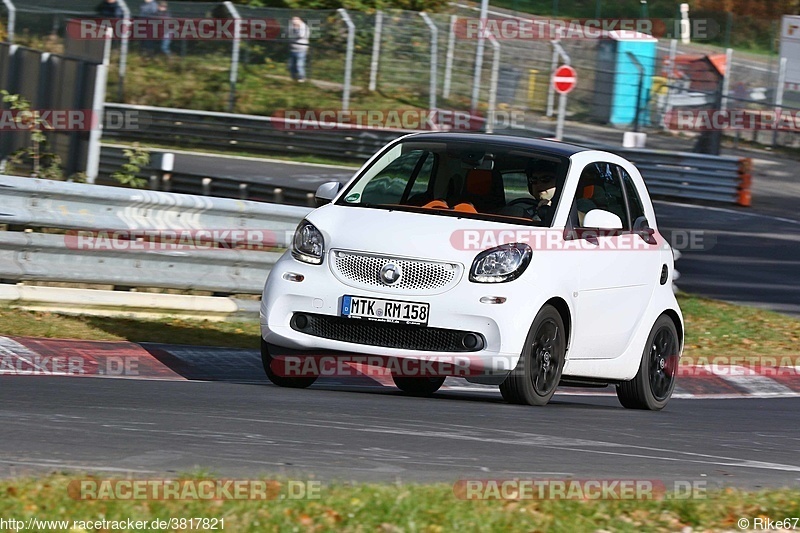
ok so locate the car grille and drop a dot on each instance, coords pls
(419, 276)
(387, 335)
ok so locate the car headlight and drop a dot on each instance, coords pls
(308, 244)
(503, 263)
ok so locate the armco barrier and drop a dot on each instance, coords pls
(42, 256)
(678, 175)
(247, 133)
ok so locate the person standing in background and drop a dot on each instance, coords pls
(163, 12)
(148, 9)
(298, 48)
(110, 9)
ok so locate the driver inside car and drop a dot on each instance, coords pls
(542, 186)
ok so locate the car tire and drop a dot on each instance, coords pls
(653, 384)
(418, 386)
(538, 372)
(282, 381)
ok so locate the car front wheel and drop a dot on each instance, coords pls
(270, 363)
(653, 384)
(536, 376)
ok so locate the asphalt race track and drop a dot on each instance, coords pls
(338, 432)
(349, 430)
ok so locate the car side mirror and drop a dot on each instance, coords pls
(601, 219)
(642, 228)
(327, 192)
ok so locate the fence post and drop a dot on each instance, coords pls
(348, 62)
(434, 63)
(726, 81)
(237, 44)
(673, 47)
(12, 19)
(448, 65)
(476, 76)
(493, 84)
(551, 91)
(376, 51)
(98, 104)
(779, 97)
(123, 49)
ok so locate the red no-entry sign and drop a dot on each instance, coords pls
(564, 79)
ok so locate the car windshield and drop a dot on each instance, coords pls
(467, 179)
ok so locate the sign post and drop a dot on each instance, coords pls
(564, 80)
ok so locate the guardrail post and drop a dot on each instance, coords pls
(348, 62)
(12, 19)
(433, 65)
(242, 191)
(277, 195)
(745, 182)
(237, 43)
(376, 51)
(207, 186)
(448, 65)
(726, 81)
(123, 50)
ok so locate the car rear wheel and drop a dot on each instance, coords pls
(653, 384)
(418, 386)
(269, 362)
(536, 376)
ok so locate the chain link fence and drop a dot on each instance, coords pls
(399, 59)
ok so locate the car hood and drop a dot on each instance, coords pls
(417, 235)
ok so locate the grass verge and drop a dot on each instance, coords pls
(396, 508)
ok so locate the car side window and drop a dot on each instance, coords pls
(600, 187)
(634, 200)
(388, 186)
(423, 180)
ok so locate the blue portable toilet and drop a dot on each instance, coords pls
(617, 78)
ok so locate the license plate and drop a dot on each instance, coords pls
(385, 310)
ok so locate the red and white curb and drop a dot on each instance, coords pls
(26, 356)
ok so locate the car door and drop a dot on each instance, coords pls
(618, 269)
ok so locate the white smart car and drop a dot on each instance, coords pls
(522, 263)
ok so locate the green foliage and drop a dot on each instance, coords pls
(137, 158)
(45, 165)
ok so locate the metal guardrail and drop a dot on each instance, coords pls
(248, 133)
(177, 181)
(62, 257)
(680, 175)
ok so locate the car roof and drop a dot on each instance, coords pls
(523, 143)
